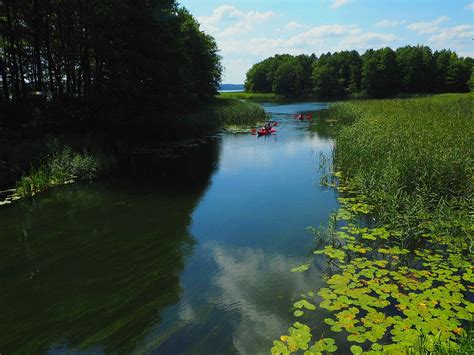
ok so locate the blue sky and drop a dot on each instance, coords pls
(248, 31)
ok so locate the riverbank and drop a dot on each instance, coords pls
(399, 249)
(251, 96)
(37, 158)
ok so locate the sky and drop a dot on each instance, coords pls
(248, 31)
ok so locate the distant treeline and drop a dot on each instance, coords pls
(376, 73)
(112, 53)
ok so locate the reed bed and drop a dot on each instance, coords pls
(61, 166)
(251, 96)
(411, 158)
(222, 112)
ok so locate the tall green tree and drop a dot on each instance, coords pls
(326, 84)
(380, 73)
(377, 73)
(133, 53)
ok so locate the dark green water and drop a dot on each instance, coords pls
(181, 255)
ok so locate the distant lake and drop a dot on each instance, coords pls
(231, 90)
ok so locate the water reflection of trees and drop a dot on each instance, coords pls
(94, 266)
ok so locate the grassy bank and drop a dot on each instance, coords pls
(410, 158)
(59, 165)
(37, 165)
(222, 112)
(250, 96)
(399, 249)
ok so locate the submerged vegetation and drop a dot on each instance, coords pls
(399, 250)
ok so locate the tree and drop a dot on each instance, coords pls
(120, 52)
(287, 80)
(471, 80)
(380, 73)
(417, 69)
(377, 73)
(325, 82)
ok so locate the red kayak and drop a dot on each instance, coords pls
(302, 117)
(264, 132)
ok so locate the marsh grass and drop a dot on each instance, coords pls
(62, 165)
(222, 112)
(406, 277)
(427, 346)
(412, 158)
(251, 96)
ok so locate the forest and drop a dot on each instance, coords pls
(93, 60)
(374, 74)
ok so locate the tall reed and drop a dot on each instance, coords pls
(412, 158)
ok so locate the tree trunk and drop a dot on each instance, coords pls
(37, 45)
(13, 57)
(48, 48)
(3, 70)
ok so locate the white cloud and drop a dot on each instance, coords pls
(317, 39)
(242, 44)
(314, 36)
(367, 40)
(470, 6)
(461, 32)
(427, 27)
(227, 20)
(293, 25)
(335, 4)
(390, 23)
(241, 53)
(245, 272)
(235, 69)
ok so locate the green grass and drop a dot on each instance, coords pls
(222, 112)
(412, 158)
(60, 166)
(425, 346)
(250, 96)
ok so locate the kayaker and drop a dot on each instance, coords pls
(268, 127)
(300, 116)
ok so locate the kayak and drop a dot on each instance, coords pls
(264, 132)
(303, 117)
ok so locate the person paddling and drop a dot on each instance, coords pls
(268, 127)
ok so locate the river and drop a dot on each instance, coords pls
(184, 254)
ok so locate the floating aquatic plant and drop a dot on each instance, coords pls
(384, 296)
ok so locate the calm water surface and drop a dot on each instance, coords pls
(186, 254)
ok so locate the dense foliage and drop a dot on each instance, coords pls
(376, 73)
(112, 53)
(399, 249)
